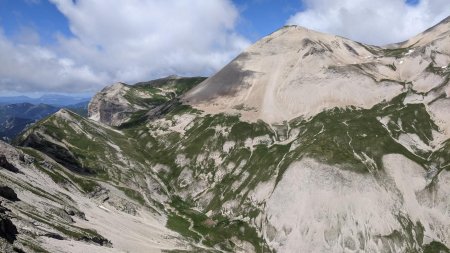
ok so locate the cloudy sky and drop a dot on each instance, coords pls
(79, 46)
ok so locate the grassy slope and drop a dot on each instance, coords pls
(351, 138)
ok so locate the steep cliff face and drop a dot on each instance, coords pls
(115, 104)
(306, 142)
(110, 106)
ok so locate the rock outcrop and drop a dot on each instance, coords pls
(7, 165)
(110, 105)
(115, 104)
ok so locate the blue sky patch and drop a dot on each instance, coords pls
(412, 2)
(40, 16)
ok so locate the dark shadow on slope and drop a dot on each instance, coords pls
(7, 165)
(56, 152)
(226, 82)
(8, 230)
(8, 193)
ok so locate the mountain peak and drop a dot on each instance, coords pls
(293, 28)
(290, 73)
(173, 77)
(444, 22)
(62, 112)
(437, 32)
(293, 34)
(67, 115)
(297, 72)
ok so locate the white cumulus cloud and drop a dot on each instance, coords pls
(28, 67)
(375, 22)
(124, 40)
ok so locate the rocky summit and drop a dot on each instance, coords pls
(306, 142)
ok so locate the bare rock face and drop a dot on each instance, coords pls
(296, 72)
(56, 213)
(115, 104)
(110, 106)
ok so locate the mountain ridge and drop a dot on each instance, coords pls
(351, 73)
(15, 118)
(51, 99)
(352, 176)
(123, 100)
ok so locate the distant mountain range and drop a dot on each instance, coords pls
(14, 118)
(49, 99)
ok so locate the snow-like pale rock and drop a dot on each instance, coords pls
(440, 30)
(181, 122)
(321, 208)
(427, 81)
(71, 246)
(262, 191)
(110, 105)
(317, 208)
(228, 145)
(296, 72)
(181, 160)
(440, 112)
(413, 143)
(145, 232)
(292, 72)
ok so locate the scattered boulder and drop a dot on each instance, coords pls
(18, 250)
(74, 212)
(124, 206)
(7, 165)
(100, 240)
(54, 236)
(99, 193)
(8, 193)
(70, 210)
(46, 164)
(61, 213)
(26, 159)
(21, 158)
